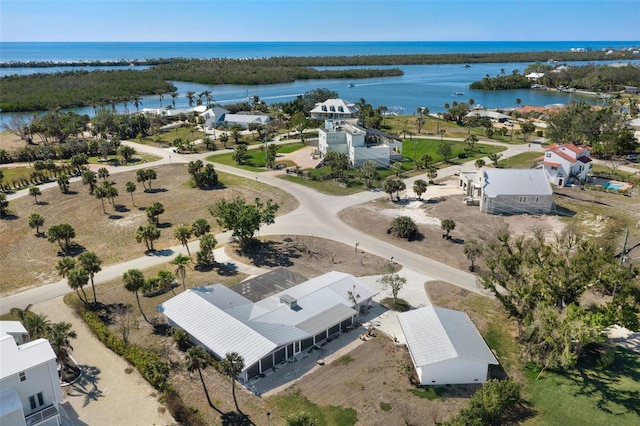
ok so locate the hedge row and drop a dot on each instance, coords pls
(147, 362)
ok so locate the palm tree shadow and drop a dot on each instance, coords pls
(87, 385)
(236, 419)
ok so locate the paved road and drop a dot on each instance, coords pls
(317, 215)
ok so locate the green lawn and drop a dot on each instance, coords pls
(256, 157)
(295, 402)
(11, 173)
(330, 187)
(416, 148)
(520, 161)
(590, 394)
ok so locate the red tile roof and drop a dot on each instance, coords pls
(551, 163)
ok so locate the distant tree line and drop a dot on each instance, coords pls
(38, 92)
(595, 78)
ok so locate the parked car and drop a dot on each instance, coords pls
(633, 158)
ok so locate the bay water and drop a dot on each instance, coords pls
(428, 86)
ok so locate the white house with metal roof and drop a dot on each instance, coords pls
(213, 116)
(334, 109)
(274, 329)
(508, 191)
(244, 120)
(445, 346)
(29, 385)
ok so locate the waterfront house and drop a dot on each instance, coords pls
(334, 109)
(213, 117)
(358, 143)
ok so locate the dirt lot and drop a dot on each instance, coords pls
(110, 235)
(375, 218)
(10, 142)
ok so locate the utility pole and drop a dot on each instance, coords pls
(622, 256)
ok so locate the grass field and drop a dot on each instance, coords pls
(256, 161)
(295, 402)
(520, 161)
(589, 394)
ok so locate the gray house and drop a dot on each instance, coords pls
(508, 191)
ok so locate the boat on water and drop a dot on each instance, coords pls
(352, 85)
(466, 66)
(459, 93)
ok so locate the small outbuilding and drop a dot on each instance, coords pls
(445, 346)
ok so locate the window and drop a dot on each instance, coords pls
(548, 155)
(22, 376)
(522, 199)
(37, 398)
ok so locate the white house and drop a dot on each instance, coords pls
(445, 346)
(508, 191)
(494, 116)
(360, 144)
(273, 329)
(213, 117)
(29, 385)
(334, 109)
(566, 164)
(14, 329)
(244, 120)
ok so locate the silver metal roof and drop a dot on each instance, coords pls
(437, 334)
(226, 321)
(516, 182)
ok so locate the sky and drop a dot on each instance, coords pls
(326, 20)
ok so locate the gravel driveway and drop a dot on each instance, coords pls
(104, 395)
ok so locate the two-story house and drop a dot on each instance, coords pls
(566, 164)
(29, 385)
(334, 109)
(358, 143)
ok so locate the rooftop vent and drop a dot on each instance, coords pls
(290, 301)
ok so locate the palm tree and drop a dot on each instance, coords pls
(34, 191)
(133, 282)
(37, 325)
(101, 193)
(59, 335)
(21, 314)
(232, 365)
(197, 359)
(131, 188)
(91, 263)
(77, 278)
(518, 102)
(181, 263)
(36, 221)
(174, 96)
(183, 233)
(200, 227)
(65, 265)
(191, 96)
(419, 187)
(137, 101)
(166, 279)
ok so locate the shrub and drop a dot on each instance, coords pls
(148, 363)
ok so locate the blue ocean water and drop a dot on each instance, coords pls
(428, 86)
(64, 51)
